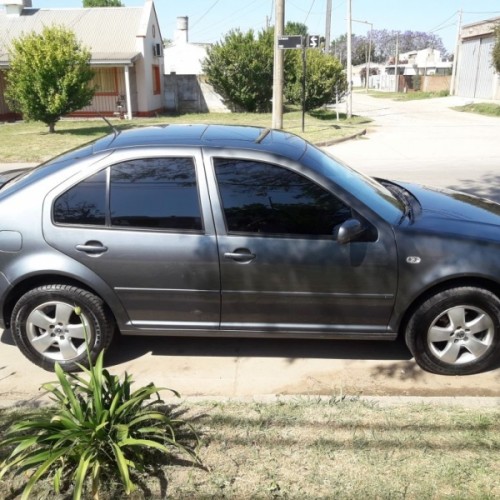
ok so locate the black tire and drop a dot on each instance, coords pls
(456, 332)
(47, 329)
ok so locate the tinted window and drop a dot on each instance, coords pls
(263, 198)
(159, 193)
(84, 203)
(370, 192)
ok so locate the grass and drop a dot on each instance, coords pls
(338, 448)
(481, 108)
(408, 96)
(30, 142)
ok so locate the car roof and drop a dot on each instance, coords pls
(201, 135)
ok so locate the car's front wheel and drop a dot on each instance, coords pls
(456, 331)
(55, 323)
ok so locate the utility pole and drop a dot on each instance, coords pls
(349, 60)
(278, 71)
(328, 25)
(396, 61)
(453, 83)
(369, 49)
(369, 57)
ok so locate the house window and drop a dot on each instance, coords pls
(106, 81)
(156, 79)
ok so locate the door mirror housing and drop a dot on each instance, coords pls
(350, 230)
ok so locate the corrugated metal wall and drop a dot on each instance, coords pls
(475, 76)
(486, 73)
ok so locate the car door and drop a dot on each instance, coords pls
(143, 224)
(281, 266)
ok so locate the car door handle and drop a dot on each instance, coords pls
(92, 247)
(240, 255)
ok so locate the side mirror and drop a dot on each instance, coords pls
(349, 231)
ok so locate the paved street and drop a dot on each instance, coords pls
(421, 141)
(427, 142)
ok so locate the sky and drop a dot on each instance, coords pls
(210, 20)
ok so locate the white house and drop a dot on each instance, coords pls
(126, 47)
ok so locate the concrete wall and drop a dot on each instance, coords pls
(435, 83)
(191, 94)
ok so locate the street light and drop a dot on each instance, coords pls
(369, 50)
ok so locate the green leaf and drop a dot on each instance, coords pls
(148, 443)
(57, 480)
(81, 474)
(40, 472)
(123, 468)
(68, 391)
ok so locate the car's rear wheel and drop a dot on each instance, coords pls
(47, 329)
(456, 331)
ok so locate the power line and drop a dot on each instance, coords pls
(484, 12)
(442, 28)
(203, 15)
(310, 8)
(240, 13)
(444, 22)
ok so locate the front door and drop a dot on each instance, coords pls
(281, 266)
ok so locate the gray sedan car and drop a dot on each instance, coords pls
(207, 230)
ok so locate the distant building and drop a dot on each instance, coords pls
(476, 76)
(126, 46)
(186, 88)
(423, 69)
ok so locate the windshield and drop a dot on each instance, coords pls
(366, 189)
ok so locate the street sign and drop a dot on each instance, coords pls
(313, 41)
(290, 42)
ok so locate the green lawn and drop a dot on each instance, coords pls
(481, 108)
(407, 96)
(30, 142)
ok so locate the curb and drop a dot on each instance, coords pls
(331, 142)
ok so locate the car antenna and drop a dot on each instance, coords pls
(265, 132)
(113, 128)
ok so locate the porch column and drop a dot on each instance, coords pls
(127, 92)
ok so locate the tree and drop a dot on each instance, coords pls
(384, 45)
(496, 49)
(294, 28)
(240, 68)
(102, 3)
(49, 75)
(359, 49)
(324, 76)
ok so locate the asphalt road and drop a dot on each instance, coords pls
(421, 141)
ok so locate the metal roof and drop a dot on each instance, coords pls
(109, 32)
